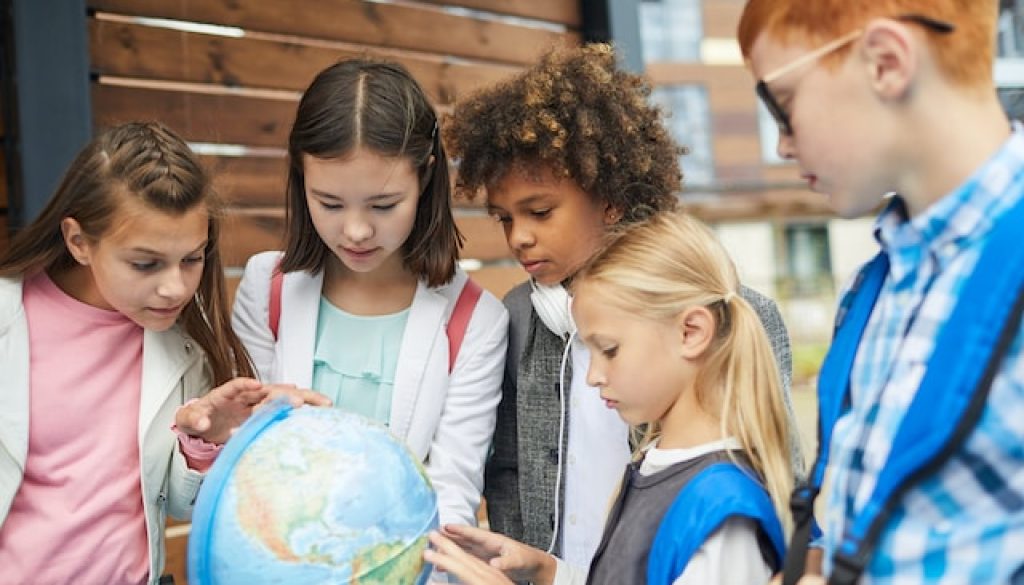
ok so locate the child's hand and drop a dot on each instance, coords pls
(215, 415)
(295, 396)
(447, 556)
(488, 554)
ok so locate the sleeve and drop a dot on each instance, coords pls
(731, 555)
(184, 482)
(460, 445)
(199, 455)
(566, 574)
(501, 485)
(250, 317)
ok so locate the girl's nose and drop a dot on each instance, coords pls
(357, 229)
(173, 285)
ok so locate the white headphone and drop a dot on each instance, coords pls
(554, 307)
(553, 304)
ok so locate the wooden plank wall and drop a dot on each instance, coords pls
(240, 85)
(736, 142)
(242, 90)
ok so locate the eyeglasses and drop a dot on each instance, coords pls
(780, 115)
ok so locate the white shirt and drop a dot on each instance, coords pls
(597, 453)
(730, 556)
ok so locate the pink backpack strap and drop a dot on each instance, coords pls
(276, 284)
(459, 321)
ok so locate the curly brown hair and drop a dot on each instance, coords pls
(581, 116)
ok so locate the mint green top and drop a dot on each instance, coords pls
(355, 359)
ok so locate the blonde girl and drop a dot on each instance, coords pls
(675, 348)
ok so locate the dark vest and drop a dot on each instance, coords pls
(635, 517)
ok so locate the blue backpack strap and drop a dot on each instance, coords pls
(953, 394)
(833, 389)
(719, 492)
(967, 355)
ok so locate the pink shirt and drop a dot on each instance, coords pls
(78, 515)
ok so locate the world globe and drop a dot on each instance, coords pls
(312, 495)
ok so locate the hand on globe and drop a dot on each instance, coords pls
(481, 557)
(294, 395)
(217, 414)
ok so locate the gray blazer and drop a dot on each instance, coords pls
(520, 476)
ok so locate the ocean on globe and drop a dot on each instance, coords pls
(312, 495)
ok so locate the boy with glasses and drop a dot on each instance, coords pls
(897, 96)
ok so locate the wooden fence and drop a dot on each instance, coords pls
(238, 85)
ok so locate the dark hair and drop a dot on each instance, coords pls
(364, 103)
(151, 163)
(581, 116)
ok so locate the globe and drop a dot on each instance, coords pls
(312, 495)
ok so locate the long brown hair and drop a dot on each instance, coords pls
(658, 268)
(379, 106)
(149, 162)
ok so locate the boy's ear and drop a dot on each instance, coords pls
(696, 328)
(612, 214)
(891, 55)
(75, 240)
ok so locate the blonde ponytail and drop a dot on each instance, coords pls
(658, 268)
(752, 408)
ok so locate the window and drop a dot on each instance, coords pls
(1011, 29)
(808, 261)
(1009, 72)
(689, 120)
(671, 30)
(768, 129)
(1013, 101)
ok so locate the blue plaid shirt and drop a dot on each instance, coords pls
(965, 524)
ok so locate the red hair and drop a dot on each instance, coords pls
(965, 56)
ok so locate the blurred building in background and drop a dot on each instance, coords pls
(785, 240)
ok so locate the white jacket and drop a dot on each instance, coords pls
(446, 421)
(173, 371)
